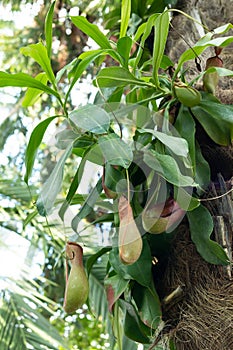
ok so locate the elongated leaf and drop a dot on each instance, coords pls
(32, 95)
(17, 190)
(73, 187)
(202, 173)
(148, 305)
(185, 200)
(52, 186)
(125, 16)
(222, 72)
(124, 47)
(94, 257)
(115, 150)
(88, 205)
(23, 327)
(113, 179)
(217, 31)
(134, 328)
(98, 301)
(24, 80)
(33, 145)
(140, 31)
(146, 32)
(200, 46)
(167, 167)
(91, 118)
(161, 27)
(115, 286)
(201, 227)
(92, 31)
(178, 145)
(65, 137)
(102, 52)
(39, 53)
(80, 67)
(117, 76)
(185, 125)
(48, 28)
(216, 119)
(95, 155)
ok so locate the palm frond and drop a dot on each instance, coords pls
(23, 327)
(16, 189)
(97, 298)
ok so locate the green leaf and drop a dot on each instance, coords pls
(185, 126)
(24, 80)
(202, 174)
(216, 119)
(52, 185)
(48, 28)
(64, 138)
(140, 31)
(139, 271)
(94, 154)
(113, 179)
(92, 31)
(80, 67)
(115, 150)
(201, 45)
(33, 145)
(102, 52)
(91, 118)
(134, 328)
(148, 305)
(161, 26)
(73, 187)
(167, 167)
(124, 47)
(201, 227)
(23, 326)
(32, 95)
(125, 16)
(39, 53)
(222, 72)
(185, 199)
(222, 29)
(94, 257)
(88, 205)
(145, 31)
(117, 76)
(115, 285)
(177, 145)
(68, 68)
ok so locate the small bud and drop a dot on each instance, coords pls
(187, 95)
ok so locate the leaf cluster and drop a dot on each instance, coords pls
(147, 152)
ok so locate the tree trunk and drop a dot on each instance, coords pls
(185, 33)
(199, 313)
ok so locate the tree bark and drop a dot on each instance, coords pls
(184, 33)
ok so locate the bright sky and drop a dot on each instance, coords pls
(14, 248)
(29, 12)
(13, 255)
(14, 251)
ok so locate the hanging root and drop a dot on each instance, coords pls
(197, 300)
(206, 320)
